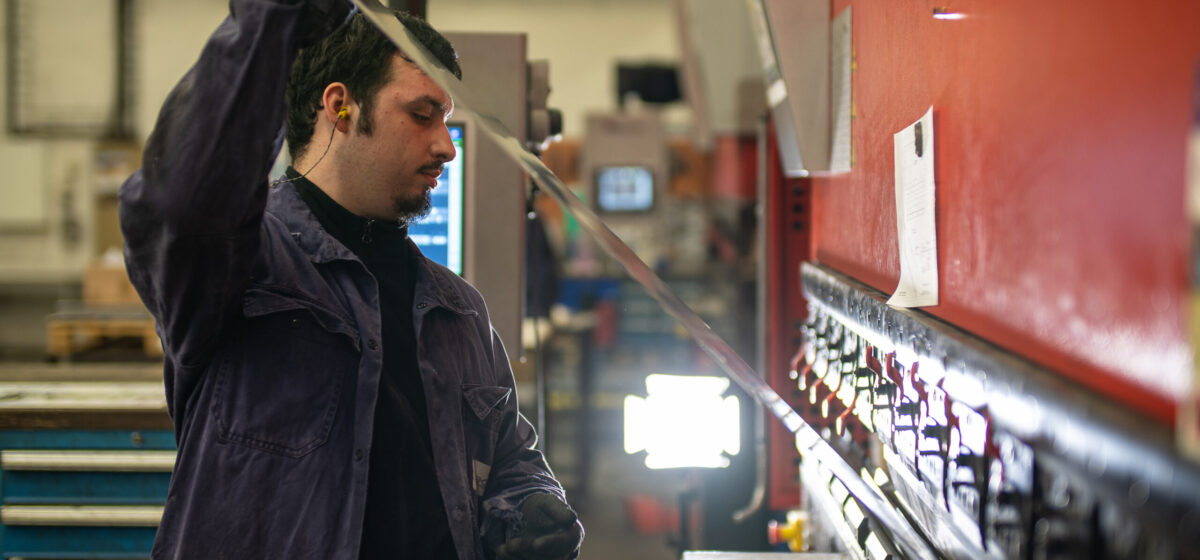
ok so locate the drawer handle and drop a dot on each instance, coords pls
(108, 461)
(82, 516)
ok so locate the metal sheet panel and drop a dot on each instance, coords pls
(800, 31)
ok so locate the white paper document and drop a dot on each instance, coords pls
(915, 215)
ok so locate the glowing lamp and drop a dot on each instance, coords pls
(683, 422)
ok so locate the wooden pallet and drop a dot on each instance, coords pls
(68, 334)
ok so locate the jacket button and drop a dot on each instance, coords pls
(421, 305)
(372, 344)
(358, 454)
(295, 323)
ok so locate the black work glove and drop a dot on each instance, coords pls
(552, 531)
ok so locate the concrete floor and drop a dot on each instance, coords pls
(610, 531)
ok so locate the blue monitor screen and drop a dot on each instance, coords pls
(440, 234)
(628, 188)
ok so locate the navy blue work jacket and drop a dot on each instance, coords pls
(271, 329)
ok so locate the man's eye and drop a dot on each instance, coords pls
(422, 118)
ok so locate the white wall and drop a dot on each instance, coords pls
(170, 35)
(47, 183)
(731, 70)
(582, 39)
(41, 186)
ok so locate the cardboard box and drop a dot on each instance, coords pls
(107, 284)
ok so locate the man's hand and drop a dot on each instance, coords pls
(551, 532)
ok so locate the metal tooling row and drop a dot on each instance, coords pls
(1056, 469)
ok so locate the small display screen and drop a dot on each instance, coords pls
(624, 189)
(440, 234)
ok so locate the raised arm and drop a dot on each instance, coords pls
(192, 215)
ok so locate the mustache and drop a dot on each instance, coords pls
(436, 166)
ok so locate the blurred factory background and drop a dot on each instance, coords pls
(1042, 405)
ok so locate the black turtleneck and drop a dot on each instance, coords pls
(405, 517)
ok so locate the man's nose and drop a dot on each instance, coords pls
(443, 146)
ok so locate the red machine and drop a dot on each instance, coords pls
(1032, 412)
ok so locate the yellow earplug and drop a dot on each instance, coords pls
(343, 113)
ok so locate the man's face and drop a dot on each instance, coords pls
(399, 160)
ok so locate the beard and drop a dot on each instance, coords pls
(413, 207)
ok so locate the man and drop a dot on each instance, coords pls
(334, 393)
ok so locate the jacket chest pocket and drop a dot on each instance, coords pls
(279, 386)
(483, 416)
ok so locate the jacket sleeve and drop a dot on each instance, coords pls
(192, 215)
(519, 470)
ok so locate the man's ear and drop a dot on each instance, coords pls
(336, 106)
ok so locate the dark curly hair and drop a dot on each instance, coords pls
(360, 56)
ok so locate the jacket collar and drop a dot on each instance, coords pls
(434, 285)
(285, 203)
